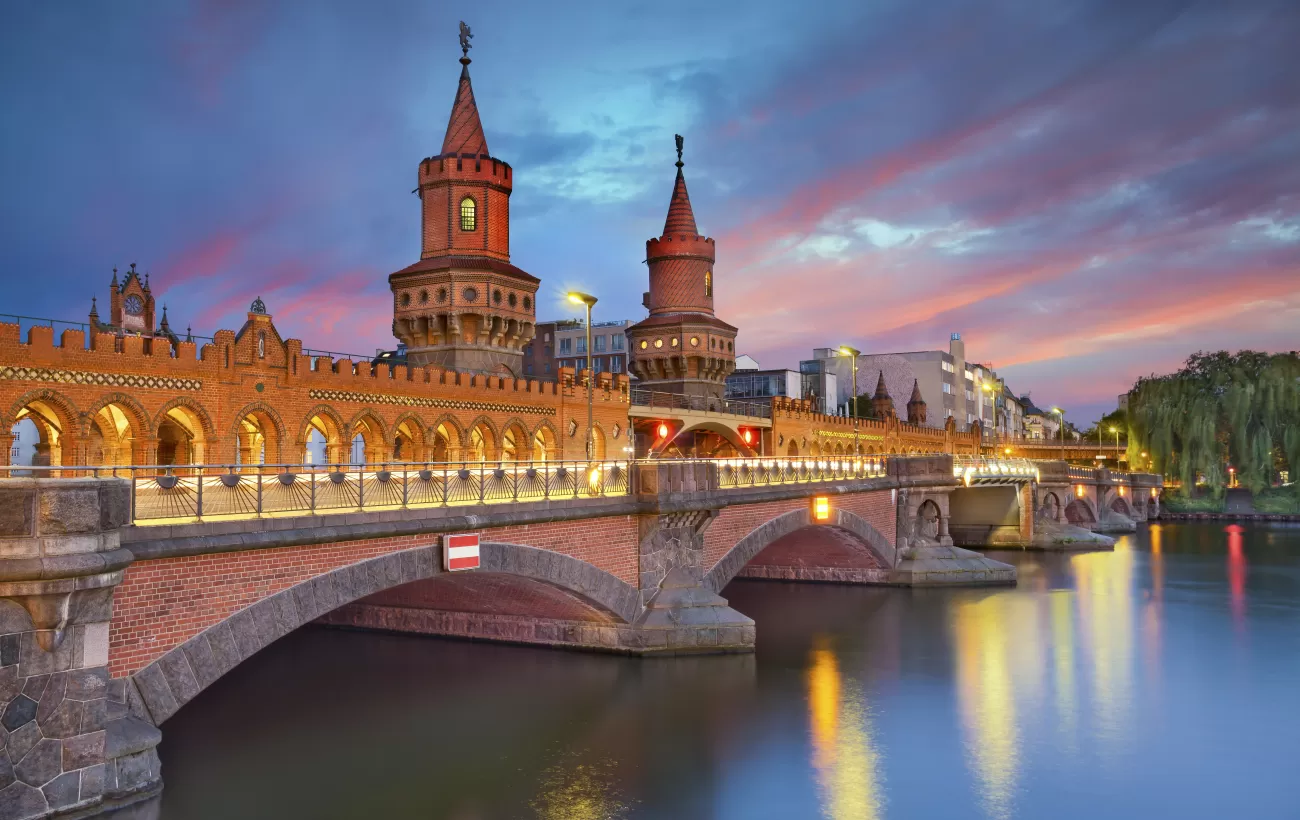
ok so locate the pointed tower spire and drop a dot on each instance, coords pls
(94, 311)
(882, 392)
(916, 405)
(164, 327)
(882, 406)
(189, 333)
(115, 276)
(464, 131)
(681, 219)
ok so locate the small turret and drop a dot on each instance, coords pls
(882, 406)
(916, 405)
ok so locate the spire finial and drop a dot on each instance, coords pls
(680, 140)
(189, 333)
(465, 37)
(94, 309)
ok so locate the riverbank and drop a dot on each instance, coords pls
(1244, 517)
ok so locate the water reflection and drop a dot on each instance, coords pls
(1236, 575)
(579, 790)
(987, 699)
(844, 756)
(1104, 583)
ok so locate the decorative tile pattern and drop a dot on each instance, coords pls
(53, 376)
(418, 401)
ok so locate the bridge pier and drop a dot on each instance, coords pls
(69, 740)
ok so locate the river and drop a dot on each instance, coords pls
(1158, 680)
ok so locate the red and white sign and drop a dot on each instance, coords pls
(459, 552)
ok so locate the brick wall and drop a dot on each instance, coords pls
(734, 523)
(162, 603)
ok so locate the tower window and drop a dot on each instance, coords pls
(708, 283)
(467, 214)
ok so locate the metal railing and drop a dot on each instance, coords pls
(192, 493)
(679, 401)
(972, 469)
(758, 472)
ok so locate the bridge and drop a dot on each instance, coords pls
(1055, 449)
(125, 596)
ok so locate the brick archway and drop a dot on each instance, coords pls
(175, 678)
(764, 536)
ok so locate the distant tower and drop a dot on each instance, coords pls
(916, 405)
(682, 347)
(463, 306)
(882, 406)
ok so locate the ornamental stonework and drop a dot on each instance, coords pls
(53, 376)
(417, 401)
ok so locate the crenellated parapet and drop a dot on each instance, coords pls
(798, 429)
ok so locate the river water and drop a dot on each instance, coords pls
(1158, 680)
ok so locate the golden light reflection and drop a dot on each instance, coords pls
(987, 698)
(1107, 624)
(1236, 574)
(579, 791)
(848, 767)
(1067, 696)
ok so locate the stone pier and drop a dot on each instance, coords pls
(69, 743)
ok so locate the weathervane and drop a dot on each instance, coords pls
(465, 37)
(679, 139)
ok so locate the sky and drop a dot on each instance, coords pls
(1087, 191)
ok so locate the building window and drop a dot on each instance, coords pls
(969, 377)
(546, 367)
(708, 283)
(947, 388)
(566, 346)
(947, 366)
(616, 364)
(467, 220)
(598, 344)
(618, 341)
(582, 344)
(970, 395)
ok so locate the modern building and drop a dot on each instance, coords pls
(764, 384)
(1039, 423)
(563, 343)
(820, 385)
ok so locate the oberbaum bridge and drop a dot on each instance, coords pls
(174, 524)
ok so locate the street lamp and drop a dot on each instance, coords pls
(1115, 430)
(1061, 418)
(853, 355)
(587, 299)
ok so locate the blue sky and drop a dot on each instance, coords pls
(1087, 191)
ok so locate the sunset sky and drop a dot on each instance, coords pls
(1087, 191)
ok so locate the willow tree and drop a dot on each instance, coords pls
(1221, 409)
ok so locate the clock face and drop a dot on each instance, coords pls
(133, 305)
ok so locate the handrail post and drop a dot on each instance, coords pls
(259, 493)
(405, 498)
(199, 508)
(361, 486)
(312, 474)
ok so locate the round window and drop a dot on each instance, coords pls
(424, 296)
(512, 299)
(406, 299)
(496, 297)
(528, 303)
(695, 341)
(469, 295)
(659, 342)
(442, 294)
(729, 347)
(643, 344)
(674, 341)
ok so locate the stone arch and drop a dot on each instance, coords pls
(444, 439)
(814, 449)
(792, 449)
(481, 440)
(599, 442)
(929, 521)
(516, 444)
(179, 675)
(1120, 504)
(258, 430)
(373, 432)
(185, 432)
(1080, 513)
(408, 438)
(57, 422)
(1050, 507)
(760, 538)
(329, 425)
(117, 431)
(545, 442)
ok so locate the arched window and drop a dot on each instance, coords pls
(467, 214)
(708, 283)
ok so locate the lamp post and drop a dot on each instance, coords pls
(1060, 414)
(587, 299)
(1115, 430)
(853, 355)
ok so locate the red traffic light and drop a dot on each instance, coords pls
(663, 430)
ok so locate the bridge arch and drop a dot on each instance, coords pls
(185, 432)
(175, 678)
(481, 443)
(373, 432)
(258, 433)
(516, 444)
(115, 429)
(1080, 512)
(747, 548)
(322, 425)
(546, 442)
(1050, 507)
(408, 438)
(1120, 504)
(57, 423)
(445, 439)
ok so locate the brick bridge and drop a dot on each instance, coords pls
(114, 618)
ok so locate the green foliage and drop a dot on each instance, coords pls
(1219, 410)
(1184, 504)
(1115, 418)
(861, 407)
(1277, 500)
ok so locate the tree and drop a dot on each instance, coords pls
(1115, 418)
(1220, 409)
(861, 407)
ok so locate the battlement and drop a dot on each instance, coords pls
(465, 167)
(680, 245)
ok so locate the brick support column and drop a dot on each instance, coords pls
(68, 740)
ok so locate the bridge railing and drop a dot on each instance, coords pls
(972, 469)
(678, 401)
(192, 493)
(758, 472)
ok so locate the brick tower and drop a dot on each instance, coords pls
(916, 405)
(463, 306)
(682, 347)
(882, 405)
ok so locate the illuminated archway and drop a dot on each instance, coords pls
(545, 447)
(54, 419)
(408, 439)
(514, 443)
(258, 433)
(482, 442)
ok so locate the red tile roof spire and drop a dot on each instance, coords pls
(681, 219)
(464, 131)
